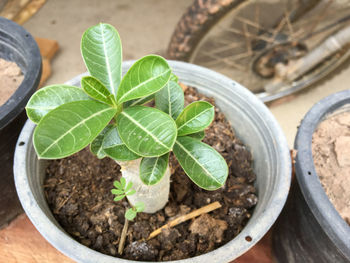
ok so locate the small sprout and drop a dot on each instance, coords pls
(122, 189)
(131, 213)
(139, 206)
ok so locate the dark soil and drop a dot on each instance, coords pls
(78, 193)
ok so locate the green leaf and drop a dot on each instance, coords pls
(140, 101)
(118, 185)
(153, 169)
(50, 97)
(195, 117)
(96, 145)
(198, 135)
(146, 131)
(115, 148)
(205, 166)
(128, 187)
(170, 99)
(145, 77)
(101, 49)
(139, 206)
(173, 77)
(95, 89)
(123, 182)
(117, 192)
(131, 192)
(130, 214)
(70, 127)
(118, 197)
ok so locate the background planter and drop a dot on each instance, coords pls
(254, 125)
(310, 229)
(16, 45)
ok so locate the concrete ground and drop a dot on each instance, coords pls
(145, 27)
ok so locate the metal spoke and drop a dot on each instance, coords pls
(259, 37)
(247, 39)
(217, 61)
(320, 17)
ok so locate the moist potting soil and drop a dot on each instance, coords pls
(78, 192)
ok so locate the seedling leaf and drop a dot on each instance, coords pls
(152, 169)
(146, 131)
(139, 206)
(70, 127)
(115, 148)
(170, 99)
(50, 97)
(130, 214)
(145, 77)
(195, 117)
(101, 49)
(131, 192)
(118, 198)
(96, 144)
(205, 166)
(96, 90)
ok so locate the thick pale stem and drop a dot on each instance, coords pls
(155, 196)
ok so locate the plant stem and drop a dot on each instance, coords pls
(123, 237)
(153, 196)
(183, 218)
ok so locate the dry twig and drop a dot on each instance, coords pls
(183, 218)
(123, 237)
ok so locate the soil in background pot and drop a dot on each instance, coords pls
(11, 77)
(78, 192)
(331, 153)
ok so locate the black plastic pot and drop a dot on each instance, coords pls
(309, 228)
(16, 45)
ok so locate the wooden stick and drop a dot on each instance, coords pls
(123, 236)
(183, 218)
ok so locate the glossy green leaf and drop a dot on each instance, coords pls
(130, 214)
(198, 135)
(145, 77)
(139, 206)
(152, 169)
(195, 117)
(170, 99)
(70, 127)
(95, 89)
(114, 147)
(205, 166)
(140, 101)
(50, 97)
(146, 131)
(102, 53)
(96, 144)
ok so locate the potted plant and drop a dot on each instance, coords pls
(310, 228)
(68, 120)
(19, 47)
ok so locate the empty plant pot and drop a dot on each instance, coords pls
(18, 46)
(253, 124)
(310, 229)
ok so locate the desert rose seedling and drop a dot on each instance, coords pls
(108, 113)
